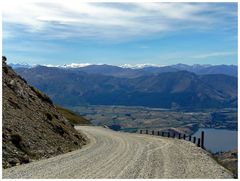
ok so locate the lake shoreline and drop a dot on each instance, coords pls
(217, 140)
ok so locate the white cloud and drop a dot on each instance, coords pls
(213, 54)
(71, 18)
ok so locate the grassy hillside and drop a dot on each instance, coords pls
(72, 117)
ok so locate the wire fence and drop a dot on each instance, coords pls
(198, 141)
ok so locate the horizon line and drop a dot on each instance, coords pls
(131, 66)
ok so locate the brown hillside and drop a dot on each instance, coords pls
(32, 127)
(72, 117)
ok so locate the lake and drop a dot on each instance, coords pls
(218, 139)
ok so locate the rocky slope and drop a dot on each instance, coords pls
(32, 127)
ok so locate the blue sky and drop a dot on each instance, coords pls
(120, 33)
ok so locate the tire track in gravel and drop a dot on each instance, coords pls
(111, 154)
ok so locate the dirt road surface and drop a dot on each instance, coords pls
(111, 154)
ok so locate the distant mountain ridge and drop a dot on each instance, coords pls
(133, 71)
(169, 89)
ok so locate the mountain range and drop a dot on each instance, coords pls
(165, 87)
(133, 71)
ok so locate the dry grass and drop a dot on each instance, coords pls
(72, 117)
(229, 164)
(41, 95)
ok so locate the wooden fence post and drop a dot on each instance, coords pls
(152, 132)
(202, 140)
(140, 131)
(146, 131)
(198, 143)
(168, 135)
(158, 133)
(194, 139)
(163, 134)
(174, 134)
(190, 137)
(184, 136)
(179, 136)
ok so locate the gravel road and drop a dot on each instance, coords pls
(124, 155)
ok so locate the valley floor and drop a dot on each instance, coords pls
(113, 154)
(133, 118)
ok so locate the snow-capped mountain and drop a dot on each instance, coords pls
(131, 70)
(155, 87)
(139, 66)
(72, 65)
